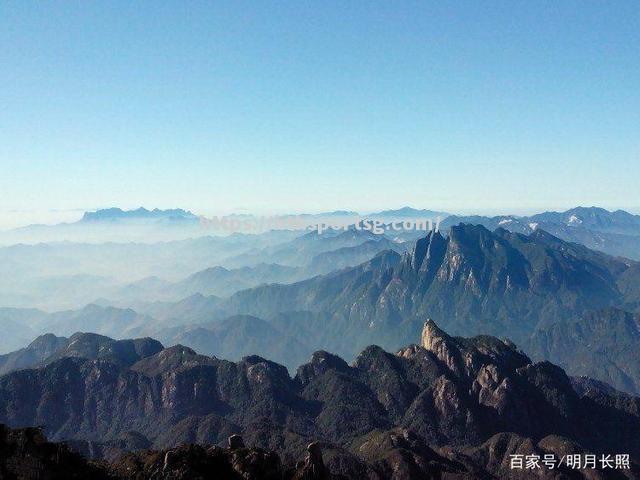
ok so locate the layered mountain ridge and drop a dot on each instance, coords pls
(475, 280)
(613, 232)
(48, 348)
(448, 394)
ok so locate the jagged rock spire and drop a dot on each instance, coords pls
(442, 345)
(432, 335)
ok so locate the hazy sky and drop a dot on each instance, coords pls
(228, 106)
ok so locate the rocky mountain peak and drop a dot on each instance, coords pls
(172, 359)
(541, 235)
(48, 341)
(466, 233)
(431, 335)
(469, 356)
(321, 362)
(93, 346)
(428, 252)
(37, 351)
(442, 345)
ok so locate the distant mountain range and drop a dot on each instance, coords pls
(66, 275)
(325, 252)
(105, 320)
(614, 232)
(112, 225)
(564, 286)
(448, 406)
(117, 214)
(406, 213)
(595, 218)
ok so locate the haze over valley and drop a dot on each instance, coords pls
(285, 294)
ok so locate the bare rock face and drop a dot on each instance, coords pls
(486, 384)
(438, 342)
(468, 356)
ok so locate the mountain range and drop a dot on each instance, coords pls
(448, 406)
(67, 275)
(474, 280)
(302, 258)
(28, 323)
(471, 279)
(117, 214)
(614, 232)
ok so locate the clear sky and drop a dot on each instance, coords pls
(272, 106)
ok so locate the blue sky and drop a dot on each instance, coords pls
(275, 106)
